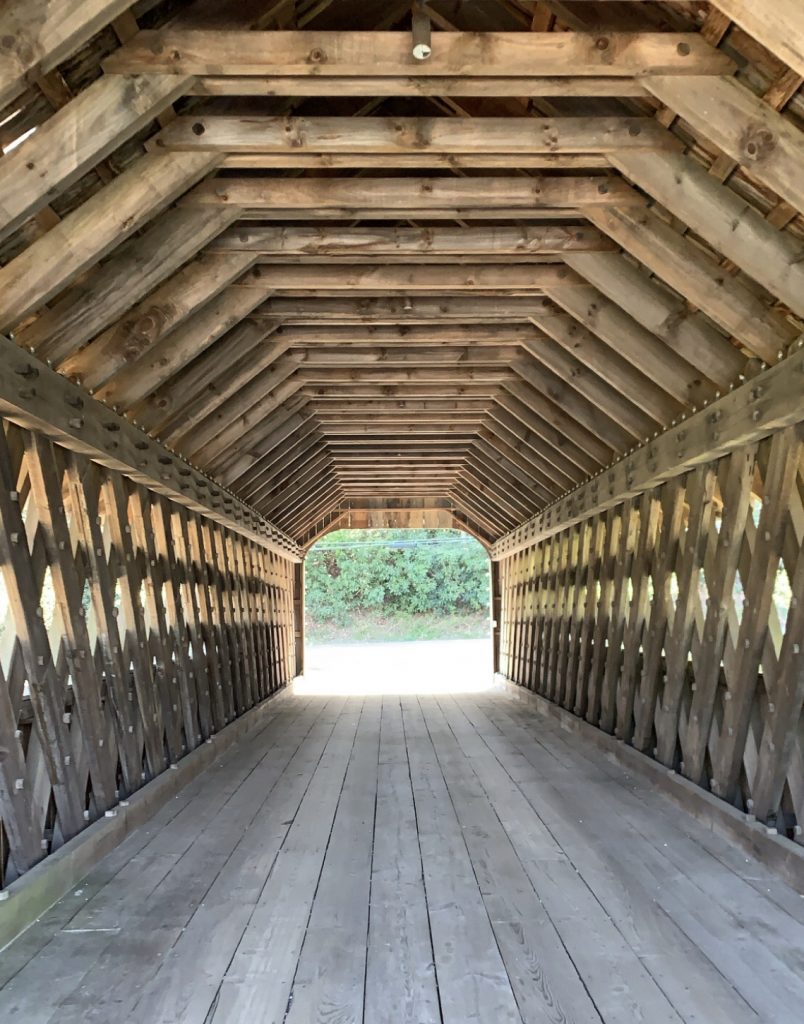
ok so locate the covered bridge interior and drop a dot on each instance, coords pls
(533, 270)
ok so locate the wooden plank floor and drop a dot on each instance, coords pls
(412, 860)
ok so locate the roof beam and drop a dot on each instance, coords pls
(135, 380)
(412, 277)
(422, 85)
(174, 303)
(360, 242)
(766, 403)
(782, 34)
(428, 161)
(113, 288)
(413, 135)
(186, 397)
(43, 33)
(77, 137)
(446, 336)
(657, 309)
(726, 221)
(38, 398)
(94, 229)
(745, 127)
(403, 310)
(696, 276)
(544, 403)
(329, 55)
(585, 396)
(292, 417)
(617, 365)
(238, 423)
(319, 196)
(622, 334)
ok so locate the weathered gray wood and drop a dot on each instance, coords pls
(472, 981)
(400, 973)
(260, 977)
(205, 911)
(102, 116)
(44, 33)
(743, 126)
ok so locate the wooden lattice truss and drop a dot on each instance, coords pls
(131, 630)
(674, 620)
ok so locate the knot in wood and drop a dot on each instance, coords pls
(757, 141)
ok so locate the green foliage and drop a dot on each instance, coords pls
(376, 627)
(395, 572)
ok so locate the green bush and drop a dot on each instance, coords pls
(396, 572)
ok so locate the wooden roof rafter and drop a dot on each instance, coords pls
(229, 311)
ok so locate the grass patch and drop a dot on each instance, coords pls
(374, 627)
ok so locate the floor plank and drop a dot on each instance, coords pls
(400, 971)
(711, 934)
(404, 859)
(472, 980)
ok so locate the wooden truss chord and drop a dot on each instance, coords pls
(322, 195)
(413, 135)
(328, 55)
(38, 398)
(770, 401)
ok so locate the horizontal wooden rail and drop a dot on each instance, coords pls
(327, 55)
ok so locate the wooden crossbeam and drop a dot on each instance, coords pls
(392, 310)
(388, 336)
(413, 135)
(427, 161)
(421, 85)
(419, 372)
(765, 404)
(320, 195)
(328, 55)
(328, 242)
(38, 398)
(368, 355)
(409, 277)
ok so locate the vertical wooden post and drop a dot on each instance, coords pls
(498, 663)
(298, 615)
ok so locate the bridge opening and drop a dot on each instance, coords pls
(397, 611)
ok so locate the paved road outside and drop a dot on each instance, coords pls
(421, 667)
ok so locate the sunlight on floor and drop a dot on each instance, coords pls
(421, 667)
